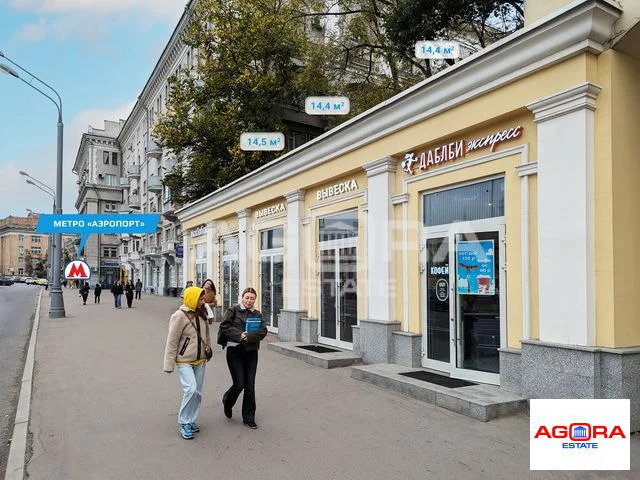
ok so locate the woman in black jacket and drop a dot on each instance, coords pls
(128, 292)
(244, 328)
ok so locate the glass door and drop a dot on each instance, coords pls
(479, 281)
(438, 304)
(464, 301)
(338, 295)
(271, 279)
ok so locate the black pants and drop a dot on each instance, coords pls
(129, 299)
(84, 297)
(242, 366)
(138, 292)
(97, 299)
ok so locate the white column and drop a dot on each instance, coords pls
(381, 289)
(293, 297)
(186, 257)
(566, 252)
(243, 252)
(211, 238)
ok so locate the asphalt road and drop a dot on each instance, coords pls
(17, 308)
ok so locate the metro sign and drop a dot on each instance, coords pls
(77, 270)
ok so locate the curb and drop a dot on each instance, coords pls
(15, 462)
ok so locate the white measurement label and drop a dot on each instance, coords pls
(437, 50)
(262, 141)
(327, 105)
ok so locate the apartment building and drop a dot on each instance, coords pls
(20, 245)
(101, 182)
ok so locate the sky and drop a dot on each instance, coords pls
(98, 55)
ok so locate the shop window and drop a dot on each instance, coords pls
(465, 204)
(230, 271)
(337, 227)
(201, 264)
(271, 239)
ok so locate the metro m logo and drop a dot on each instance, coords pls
(77, 270)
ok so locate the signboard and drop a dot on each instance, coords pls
(265, 212)
(454, 150)
(475, 268)
(442, 290)
(198, 232)
(338, 189)
(77, 270)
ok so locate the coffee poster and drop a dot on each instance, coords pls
(475, 268)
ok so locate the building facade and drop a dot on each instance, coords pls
(20, 245)
(101, 183)
(480, 224)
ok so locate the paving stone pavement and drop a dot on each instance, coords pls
(103, 409)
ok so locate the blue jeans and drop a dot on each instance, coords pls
(118, 300)
(191, 381)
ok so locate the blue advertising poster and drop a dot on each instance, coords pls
(475, 268)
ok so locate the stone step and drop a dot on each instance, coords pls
(340, 358)
(482, 402)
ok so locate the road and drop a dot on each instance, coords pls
(17, 308)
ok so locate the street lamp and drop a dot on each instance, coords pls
(57, 303)
(51, 241)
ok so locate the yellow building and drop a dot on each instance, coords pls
(481, 223)
(19, 244)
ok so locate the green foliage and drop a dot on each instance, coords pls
(28, 265)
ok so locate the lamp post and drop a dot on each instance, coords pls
(57, 303)
(49, 192)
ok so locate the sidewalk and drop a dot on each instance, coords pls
(103, 408)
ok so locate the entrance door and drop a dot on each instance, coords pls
(465, 302)
(271, 278)
(338, 294)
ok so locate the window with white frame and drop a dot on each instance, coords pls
(201, 263)
(111, 180)
(230, 271)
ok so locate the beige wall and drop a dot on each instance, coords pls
(625, 172)
(10, 251)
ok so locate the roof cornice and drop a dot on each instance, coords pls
(582, 26)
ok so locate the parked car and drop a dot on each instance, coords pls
(5, 280)
(18, 279)
(30, 281)
(42, 281)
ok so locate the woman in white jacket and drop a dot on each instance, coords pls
(189, 347)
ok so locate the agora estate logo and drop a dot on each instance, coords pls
(580, 435)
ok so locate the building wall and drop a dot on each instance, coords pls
(625, 171)
(10, 251)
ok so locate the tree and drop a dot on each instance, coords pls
(41, 268)
(474, 23)
(28, 267)
(248, 69)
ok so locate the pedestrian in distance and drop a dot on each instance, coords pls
(117, 291)
(211, 301)
(138, 290)
(84, 293)
(128, 289)
(96, 292)
(244, 329)
(189, 347)
(189, 284)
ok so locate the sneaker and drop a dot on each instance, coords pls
(195, 427)
(185, 431)
(251, 425)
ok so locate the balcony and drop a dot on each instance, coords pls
(123, 208)
(152, 251)
(169, 248)
(169, 163)
(124, 181)
(133, 171)
(134, 202)
(154, 184)
(153, 150)
(133, 256)
(123, 258)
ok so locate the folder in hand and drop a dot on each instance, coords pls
(252, 325)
